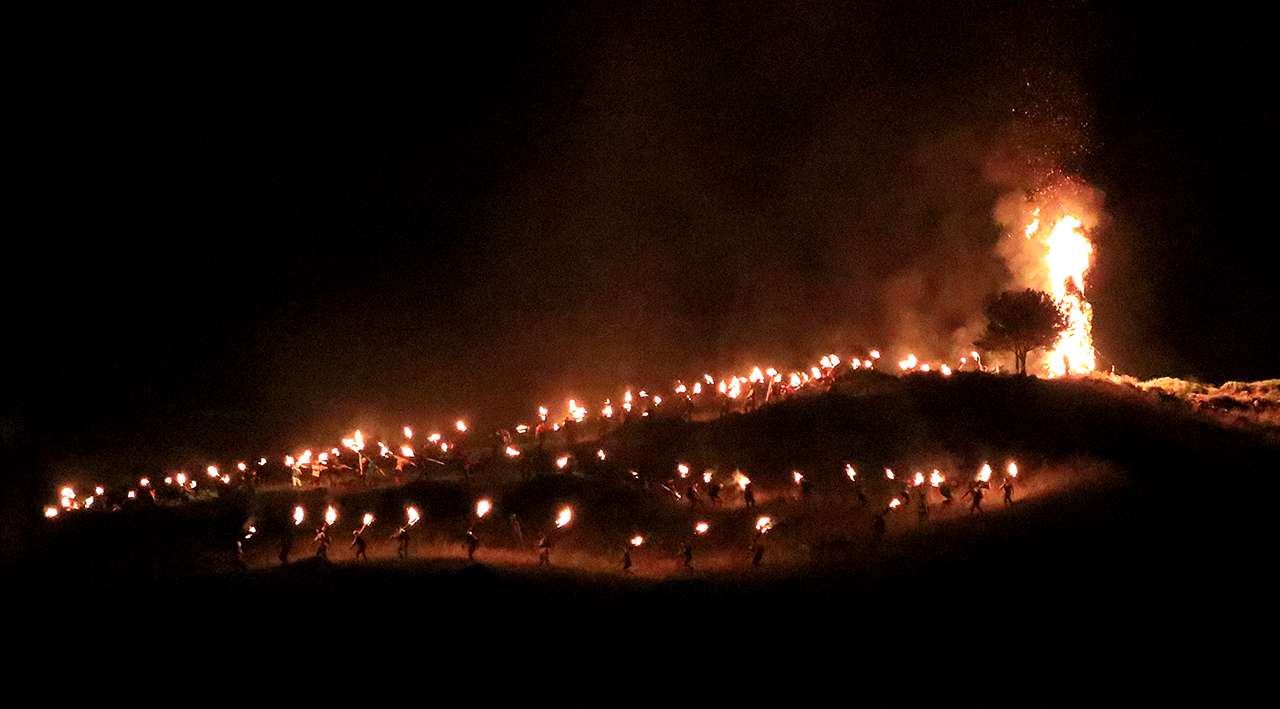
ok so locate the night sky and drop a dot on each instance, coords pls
(255, 233)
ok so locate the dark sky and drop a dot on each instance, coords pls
(254, 233)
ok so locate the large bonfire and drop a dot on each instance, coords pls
(1047, 248)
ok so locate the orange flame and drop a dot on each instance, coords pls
(483, 507)
(565, 516)
(1048, 250)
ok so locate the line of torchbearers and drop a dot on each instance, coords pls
(353, 461)
(910, 488)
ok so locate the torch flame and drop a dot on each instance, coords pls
(701, 528)
(1013, 469)
(299, 514)
(764, 524)
(637, 540)
(564, 517)
(330, 515)
(483, 507)
(412, 514)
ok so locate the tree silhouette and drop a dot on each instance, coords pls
(1021, 321)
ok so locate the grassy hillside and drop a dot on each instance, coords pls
(1130, 506)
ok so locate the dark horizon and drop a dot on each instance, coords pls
(255, 234)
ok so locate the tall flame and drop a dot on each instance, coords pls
(1049, 250)
(1069, 256)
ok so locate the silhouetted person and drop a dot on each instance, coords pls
(322, 542)
(976, 493)
(358, 542)
(515, 529)
(402, 539)
(544, 551)
(692, 493)
(877, 528)
(944, 489)
(713, 493)
(473, 543)
(1007, 486)
(862, 496)
(924, 507)
(626, 559)
(686, 553)
(748, 496)
(286, 543)
(757, 553)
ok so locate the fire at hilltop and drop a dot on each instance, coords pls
(1047, 249)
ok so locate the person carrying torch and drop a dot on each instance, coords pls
(402, 542)
(1007, 485)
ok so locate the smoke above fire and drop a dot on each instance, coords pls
(684, 194)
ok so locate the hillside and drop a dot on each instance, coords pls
(1127, 504)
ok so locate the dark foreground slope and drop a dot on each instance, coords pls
(1152, 530)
